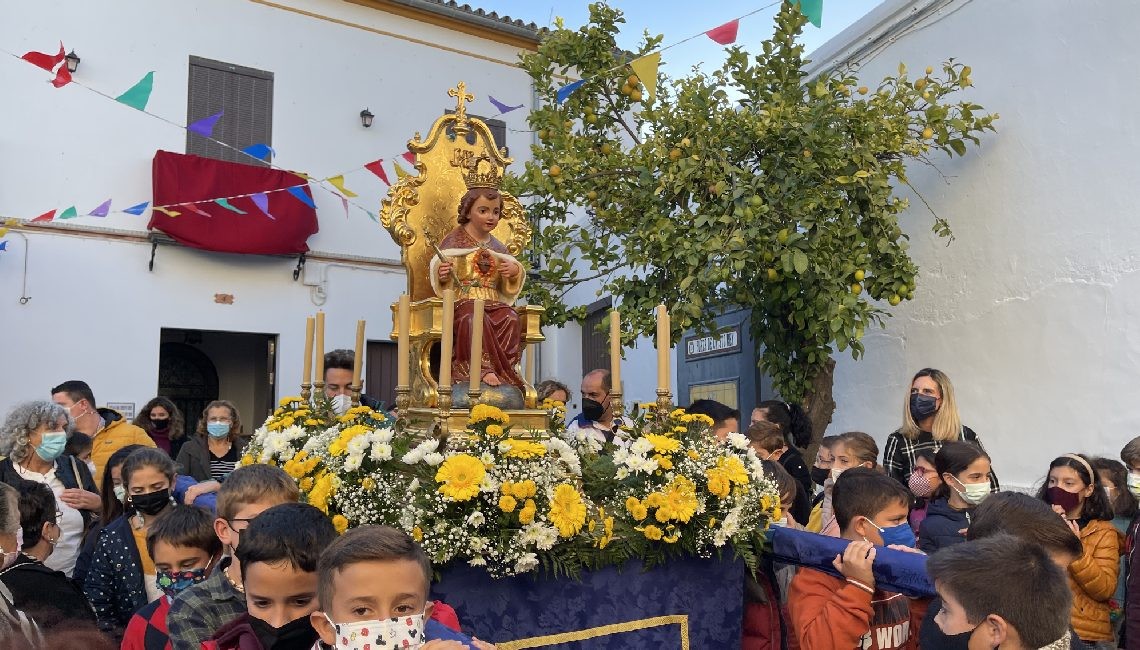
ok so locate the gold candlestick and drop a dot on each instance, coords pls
(475, 372)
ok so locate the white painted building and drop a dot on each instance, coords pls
(1032, 309)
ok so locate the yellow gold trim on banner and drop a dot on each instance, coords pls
(605, 630)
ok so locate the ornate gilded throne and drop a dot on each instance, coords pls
(418, 212)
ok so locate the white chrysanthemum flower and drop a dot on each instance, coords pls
(383, 435)
(476, 518)
(528, 562)
(738, 440)
(487, 458)
(381, 451)
(414, 486)
(621, 474)
(352, 462)
(434, 458)
(542, 536)
(358, 445)
(477, 561)
(641, 446)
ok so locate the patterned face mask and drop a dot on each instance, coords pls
(173, 583)
(399, 632)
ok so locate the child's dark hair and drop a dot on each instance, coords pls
(37, 507)
(294, 533)
(112, 507)
(1122, 502)
(148, 457)
(785, 484)
(78, 444)
(1028, 578)
(953, 459)
(1096, 506)
(925, 454)
(1130, 454)
(861, 445)
(766, 435)
(793, 421)
(190, 527)
(1026, 517)
(366, 544)
(863, 492)
(715, 410)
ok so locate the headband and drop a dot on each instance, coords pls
(1082, 461)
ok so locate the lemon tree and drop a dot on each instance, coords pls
(751, 185)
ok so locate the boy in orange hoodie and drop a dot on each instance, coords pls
(849, 612)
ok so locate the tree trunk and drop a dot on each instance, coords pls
(819, 404)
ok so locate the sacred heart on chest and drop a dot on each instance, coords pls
(484, 261)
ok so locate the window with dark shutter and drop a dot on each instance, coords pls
(246, 96)
(595, 338)
(498, 130)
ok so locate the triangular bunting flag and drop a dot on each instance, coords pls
(302, 195)
(69, 213)
(400, 171)
(503, 108)
(195, 209)
(47, 216)
(102, 210)
(344, 202)
(139, 94)
(137, 209)
(167, 211)
(372, 216)
(646, 70)
(410, 157)
(259, 150)
(3, 231)
(813, 9)
(45, 61)
(261, 200)
(338, 183)
(4, 245)
(726, 33)
(565, 91)
(62, 77)
(227, 205)
(377, 167)
(205, 126)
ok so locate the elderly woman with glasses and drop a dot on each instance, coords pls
(33, 438)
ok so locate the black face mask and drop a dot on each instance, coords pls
(818, 475)
(297, 634)
(922, 406)
(160, 425)
(592, 410)
(152, 503)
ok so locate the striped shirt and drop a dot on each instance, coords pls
(221, 467)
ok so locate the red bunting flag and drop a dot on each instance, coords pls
(726, 33)
(62, 77)
(410, 157)
(195, 209)
(377, 167)
(45, 61)
(47, 216)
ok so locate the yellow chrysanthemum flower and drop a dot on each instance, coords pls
(306, 484)
(482, 412)
(654, 500)
(671, 539)
(286, 401)
(663, 444)
(680, 501)
(506, 488)
(524, 489)
(323, 488)
(529, 510)
(340, 523)
(651, 532)
(734, 469)
(460, 477)
(417, 533)
(523, 448)
(607, 532)
(664, 462)
(693, 455)
(567, 510)
(507, 503)
(368, 484)
(494, 430)
(632, 503)
(246, 460)
(718, 483)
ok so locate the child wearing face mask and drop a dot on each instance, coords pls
(1073, 491)
(851, 449)
(1113, 477)
(1130, 456)
(767, 440)
(185, 549)
(819, 473)
(373, 584)
(965, 472)
(849, 611)
(923, 481)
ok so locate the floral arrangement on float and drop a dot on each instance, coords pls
(514, 501)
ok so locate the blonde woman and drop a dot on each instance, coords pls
(930, 420)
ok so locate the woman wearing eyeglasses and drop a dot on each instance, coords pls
(48, 596)
(216, 450)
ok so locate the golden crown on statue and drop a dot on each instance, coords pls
(482, 172)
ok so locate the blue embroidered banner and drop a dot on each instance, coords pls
(688, 603)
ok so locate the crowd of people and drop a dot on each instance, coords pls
(144, 536)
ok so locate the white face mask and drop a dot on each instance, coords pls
(341, 403)
(973, 493)
(91, 467)
(835, 472)
(399, 632)
(1134, 484)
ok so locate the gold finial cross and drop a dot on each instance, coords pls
(461, 94)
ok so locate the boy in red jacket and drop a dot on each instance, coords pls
(850, 612)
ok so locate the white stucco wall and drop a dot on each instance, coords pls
(96, 311)
(1031, 309)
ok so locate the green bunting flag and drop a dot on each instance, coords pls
(139, 94)
(813, 9)
(69, 213)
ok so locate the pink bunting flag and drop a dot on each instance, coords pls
(344, 202)
(261, 200)
(102, 210)
(726, 33)
(410, 157)
(45, 61)
(195, 209)
(377, 167)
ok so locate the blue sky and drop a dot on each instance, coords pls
(677, 21)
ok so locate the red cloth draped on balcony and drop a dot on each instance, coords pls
(182, 179)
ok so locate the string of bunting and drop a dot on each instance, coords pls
(645, 67)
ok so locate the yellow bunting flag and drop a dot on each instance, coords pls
(646, 70)
(338, 182)
(400, 171)
(167, 211)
